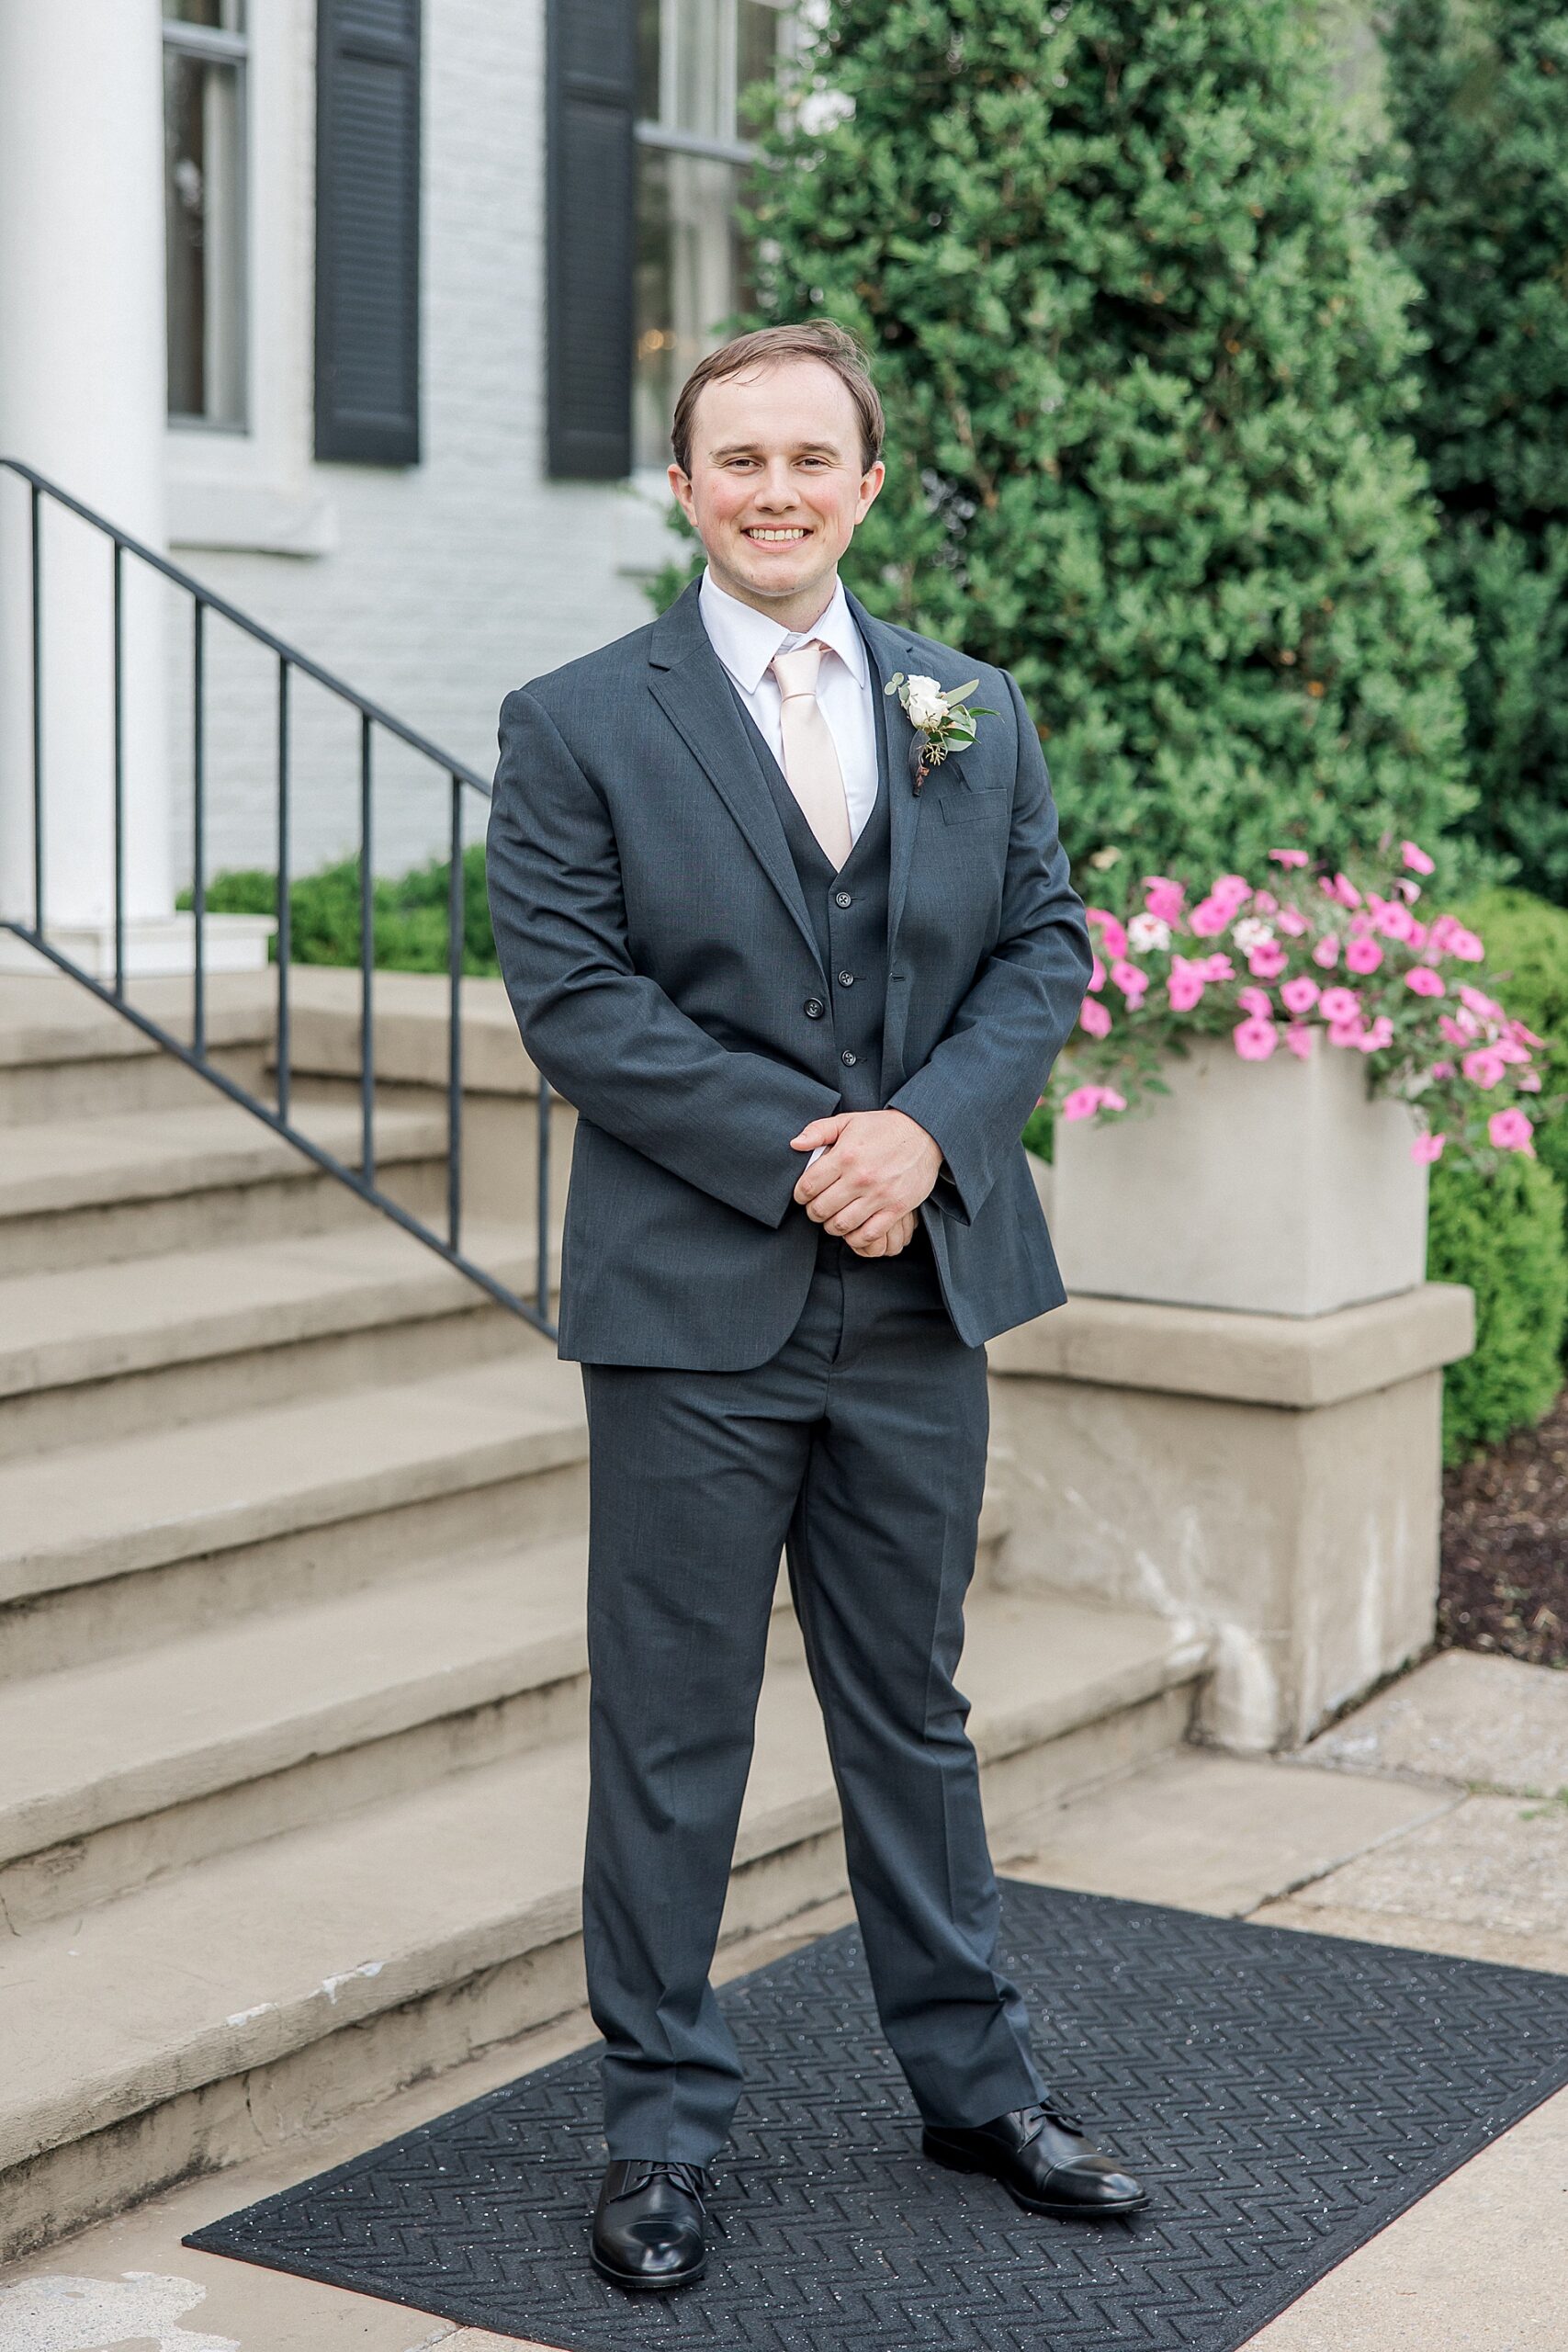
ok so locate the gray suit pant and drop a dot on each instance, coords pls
(860, 1449)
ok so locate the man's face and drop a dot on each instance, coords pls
(777, 484)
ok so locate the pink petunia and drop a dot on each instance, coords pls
(1097, 978)
(1217, 967)
(1421, 980)
(1085, 1100)
(1186, 985)
(1132, 983)
(1298, 995)
(1528, 1082)
(1441, 1070)
(1381, 1033)
(1346, 891)
(1483, 1067)
(1425, 1149)
(1113, 937)
(1230, 889)
(1511, 1131)
(1264, 902)
(1290, 857)
(1347, 1032)
(1209, 917)
(1363, 956)
(1164, 898)
(1267, 960)
(1298, 1036)
(1258, 1002)
(1415, 858)
(1255, 1040)
(1094, 1019)
(1292, 922)
(1461, 1032)
(1476, 1001)
(1339, 1004)
(1327, 953)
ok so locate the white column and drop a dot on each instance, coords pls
(82, 400)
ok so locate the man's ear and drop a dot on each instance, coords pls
(681, 488)
(871, 482)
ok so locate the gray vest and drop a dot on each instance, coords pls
(849, 915)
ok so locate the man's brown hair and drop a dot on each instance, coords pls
(765, 347)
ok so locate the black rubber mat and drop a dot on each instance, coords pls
(1283, 2095)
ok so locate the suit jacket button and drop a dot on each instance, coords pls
(814, 1008)
(846, 979)
(842, 898)
(846, 1056)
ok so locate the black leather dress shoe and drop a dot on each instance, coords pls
(648, 2223)
(1040, 2156)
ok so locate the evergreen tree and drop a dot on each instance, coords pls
(1144, 369)
(1478, 100)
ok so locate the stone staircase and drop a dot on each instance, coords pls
(292, 1670)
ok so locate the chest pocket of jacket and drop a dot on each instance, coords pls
(972, 804)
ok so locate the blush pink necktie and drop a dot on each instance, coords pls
(810, 760)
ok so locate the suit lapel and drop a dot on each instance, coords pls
(688, 682)
(890, 651)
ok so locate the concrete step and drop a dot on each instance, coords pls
(65, 1055)
(98, 1352)
(112, 1546)
(391, 1940)
(83, 1192)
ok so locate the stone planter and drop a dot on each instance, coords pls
(1271, 1188)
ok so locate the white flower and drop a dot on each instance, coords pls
(926, 702)
(1252, 933)
(1148, 933)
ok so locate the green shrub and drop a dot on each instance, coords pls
(1527, 946)
(409, 913)
(1502, 1232)
(1147, 370)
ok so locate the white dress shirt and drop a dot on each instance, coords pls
(746, 641)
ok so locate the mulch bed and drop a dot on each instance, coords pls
(1505, 1582)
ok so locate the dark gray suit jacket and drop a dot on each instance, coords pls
(659, 954)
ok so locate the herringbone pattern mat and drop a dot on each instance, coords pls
(1284, 2096)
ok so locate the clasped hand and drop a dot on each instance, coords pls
(877, 1168)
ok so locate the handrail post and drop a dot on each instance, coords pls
(456, 895)
(35, 505)
(367, 965)
(119, 769)
(198, 823)
(284, 941)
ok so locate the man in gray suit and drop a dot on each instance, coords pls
(803, 985)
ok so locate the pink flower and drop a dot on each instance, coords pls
(1290, 857)
(1267, 960)
(1292, 922)
(1442, 1070)
(1085, 1100)
(1255, 1040)
(1327, 953)
(1298, 995)
(1418, 861)
(1450, 937)
(1395, 921)
(1524, 1036)
(1345, 890)
(1528, 1082)
(1363, 956)
(1132, 983)
(1256, 1001)
(1094, 1019)
(1113, 938)
(1425, 1149)
(1209, 917)
(1485, 1067)
(1339, 1004)
(1345, 1032)
(1459, 1032)
(1511, 1131)
(1164, 898)
(1476, 1001)
(1230, 890)
(1421, 980)
(1217, 967)
(1097, 978)
(1298, 1036)
(1185, 988)
(1264, 902)
(1381, 1033)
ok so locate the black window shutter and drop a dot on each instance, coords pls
(591, 200)
(367, 106)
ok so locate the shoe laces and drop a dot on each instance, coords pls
(1051, 2110)
(694, 2178)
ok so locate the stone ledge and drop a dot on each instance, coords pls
(1298, 1362)
(410, 1013)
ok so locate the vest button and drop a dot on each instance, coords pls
(842, 898)
(846, 979)
(814, 1008)
(846, 1056)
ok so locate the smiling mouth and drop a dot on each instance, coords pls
(765, 536)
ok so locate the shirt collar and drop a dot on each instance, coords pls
(746, 641)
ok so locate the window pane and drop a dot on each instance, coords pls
(758, 31)
(221, 16)
(686, 277)
(704, 89)
(203, 218)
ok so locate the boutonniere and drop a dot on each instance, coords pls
(940, 718)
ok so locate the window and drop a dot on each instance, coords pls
(693, 58)
(204, 52)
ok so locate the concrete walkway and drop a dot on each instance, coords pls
(1435, 1816)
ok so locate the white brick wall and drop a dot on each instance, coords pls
(448, 583)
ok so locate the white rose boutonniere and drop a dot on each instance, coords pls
(941, 716)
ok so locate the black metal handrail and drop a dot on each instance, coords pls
(372, 716)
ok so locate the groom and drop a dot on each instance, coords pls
(803, 999)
